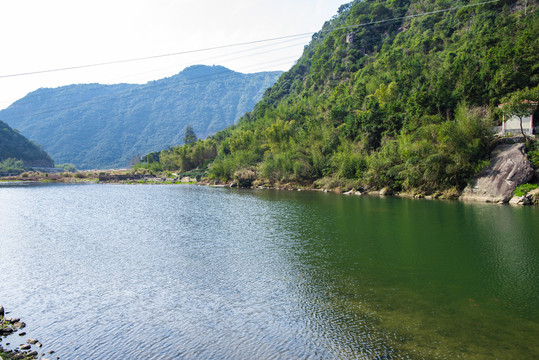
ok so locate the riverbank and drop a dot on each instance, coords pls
(9, 350)
(101, 176)
(327, 184)
(350, 188)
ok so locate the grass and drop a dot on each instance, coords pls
(523, 189)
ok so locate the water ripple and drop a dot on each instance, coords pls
(200, 273)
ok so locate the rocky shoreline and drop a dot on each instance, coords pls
(531, 198)
(30, 349)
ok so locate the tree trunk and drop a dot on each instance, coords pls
(521, 129)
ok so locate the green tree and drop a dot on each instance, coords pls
(190, 136)
(521, 103)
(11, 165)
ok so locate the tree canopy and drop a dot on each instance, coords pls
(190, 136)
(521, 103)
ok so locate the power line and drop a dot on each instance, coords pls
(153, 56)
(128, 94)
(243, 43)
(29, 100)
(105, 98)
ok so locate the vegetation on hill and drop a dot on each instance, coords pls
(17, 152)
(407, 102)
(105, 126)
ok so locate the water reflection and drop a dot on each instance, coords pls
(399, 269)
(510, 256)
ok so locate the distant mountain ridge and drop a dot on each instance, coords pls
(104, 126)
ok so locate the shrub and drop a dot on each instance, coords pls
(524, 189)
(245, 177)
(66, 167)
(533, 153)
(222, 169)
(11, 165)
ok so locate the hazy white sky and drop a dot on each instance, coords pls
(39, 35)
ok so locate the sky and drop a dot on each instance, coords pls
(37, 35)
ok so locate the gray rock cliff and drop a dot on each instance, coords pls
(509, 167)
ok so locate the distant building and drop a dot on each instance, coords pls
(511, 125)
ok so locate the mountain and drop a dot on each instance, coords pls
(104, 126)
(399, 94)
(15, 146)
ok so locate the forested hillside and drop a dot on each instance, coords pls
(399, 94)
(101, 126)
(14, 146)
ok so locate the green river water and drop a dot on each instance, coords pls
(113, 271)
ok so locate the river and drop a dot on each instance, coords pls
(190, 272)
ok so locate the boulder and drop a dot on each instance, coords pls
(534, 196)
(520, 200)
(509, 167)
(1, 311)
(6, 331)
(19, 324)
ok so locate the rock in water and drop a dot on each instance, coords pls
(19, 324)
(509, 167)
(1, 311)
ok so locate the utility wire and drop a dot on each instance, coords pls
(131, 94)
(152, 57)
(29, 99)
(245, 43)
